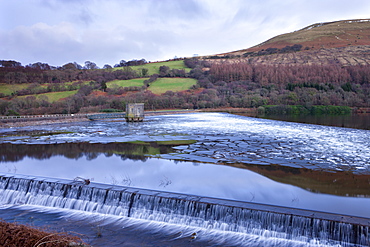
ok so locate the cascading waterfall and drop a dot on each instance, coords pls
(180, 209)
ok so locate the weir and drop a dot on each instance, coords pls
(188, 210)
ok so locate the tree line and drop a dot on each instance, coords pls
(218, 85)
(39, 73)
(246, 85)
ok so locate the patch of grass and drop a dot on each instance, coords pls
(153, 68)
(176, 142)
(140, 150)
(8, 89)
(53, 96)
(163, 85)
(139, 142)
(137, 82)
(170, 143)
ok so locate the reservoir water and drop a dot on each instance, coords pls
(215, 155)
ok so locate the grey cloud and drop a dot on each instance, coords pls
(60, 31)
(58, 45)
(85, 16)
(46, 43)
(70, 10)
(178, 9)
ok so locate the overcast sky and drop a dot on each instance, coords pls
(107, 31)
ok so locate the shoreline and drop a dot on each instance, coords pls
(55, 119)
(32, 122)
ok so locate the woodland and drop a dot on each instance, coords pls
(218, 85)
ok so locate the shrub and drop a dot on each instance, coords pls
(12, 113)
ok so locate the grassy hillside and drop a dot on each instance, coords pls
(163, 85)
(321, 35)
(137, 82)
(33, 88)
(329, 35)
(53, 96)
(340, 42)
(153, 68)
(8, 89)
(159, 86)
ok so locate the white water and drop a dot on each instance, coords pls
(191, 178)
(183, 211)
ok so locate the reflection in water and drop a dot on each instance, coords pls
(338, 183)
(355, 121)
(11, 152)
(204, 180)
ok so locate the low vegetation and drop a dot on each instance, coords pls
(9, 89)
(163, 85)
(303, 110)
(53, 96)
(14, 235)
(153, 68)
(137, 82)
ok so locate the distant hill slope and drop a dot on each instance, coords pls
(341, 42)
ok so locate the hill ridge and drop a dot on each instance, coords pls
(319, 24)
(345, 42)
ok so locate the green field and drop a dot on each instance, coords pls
(53, 96)
(153, 68)
(163, 85)
(8, 89)
(138, 82)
